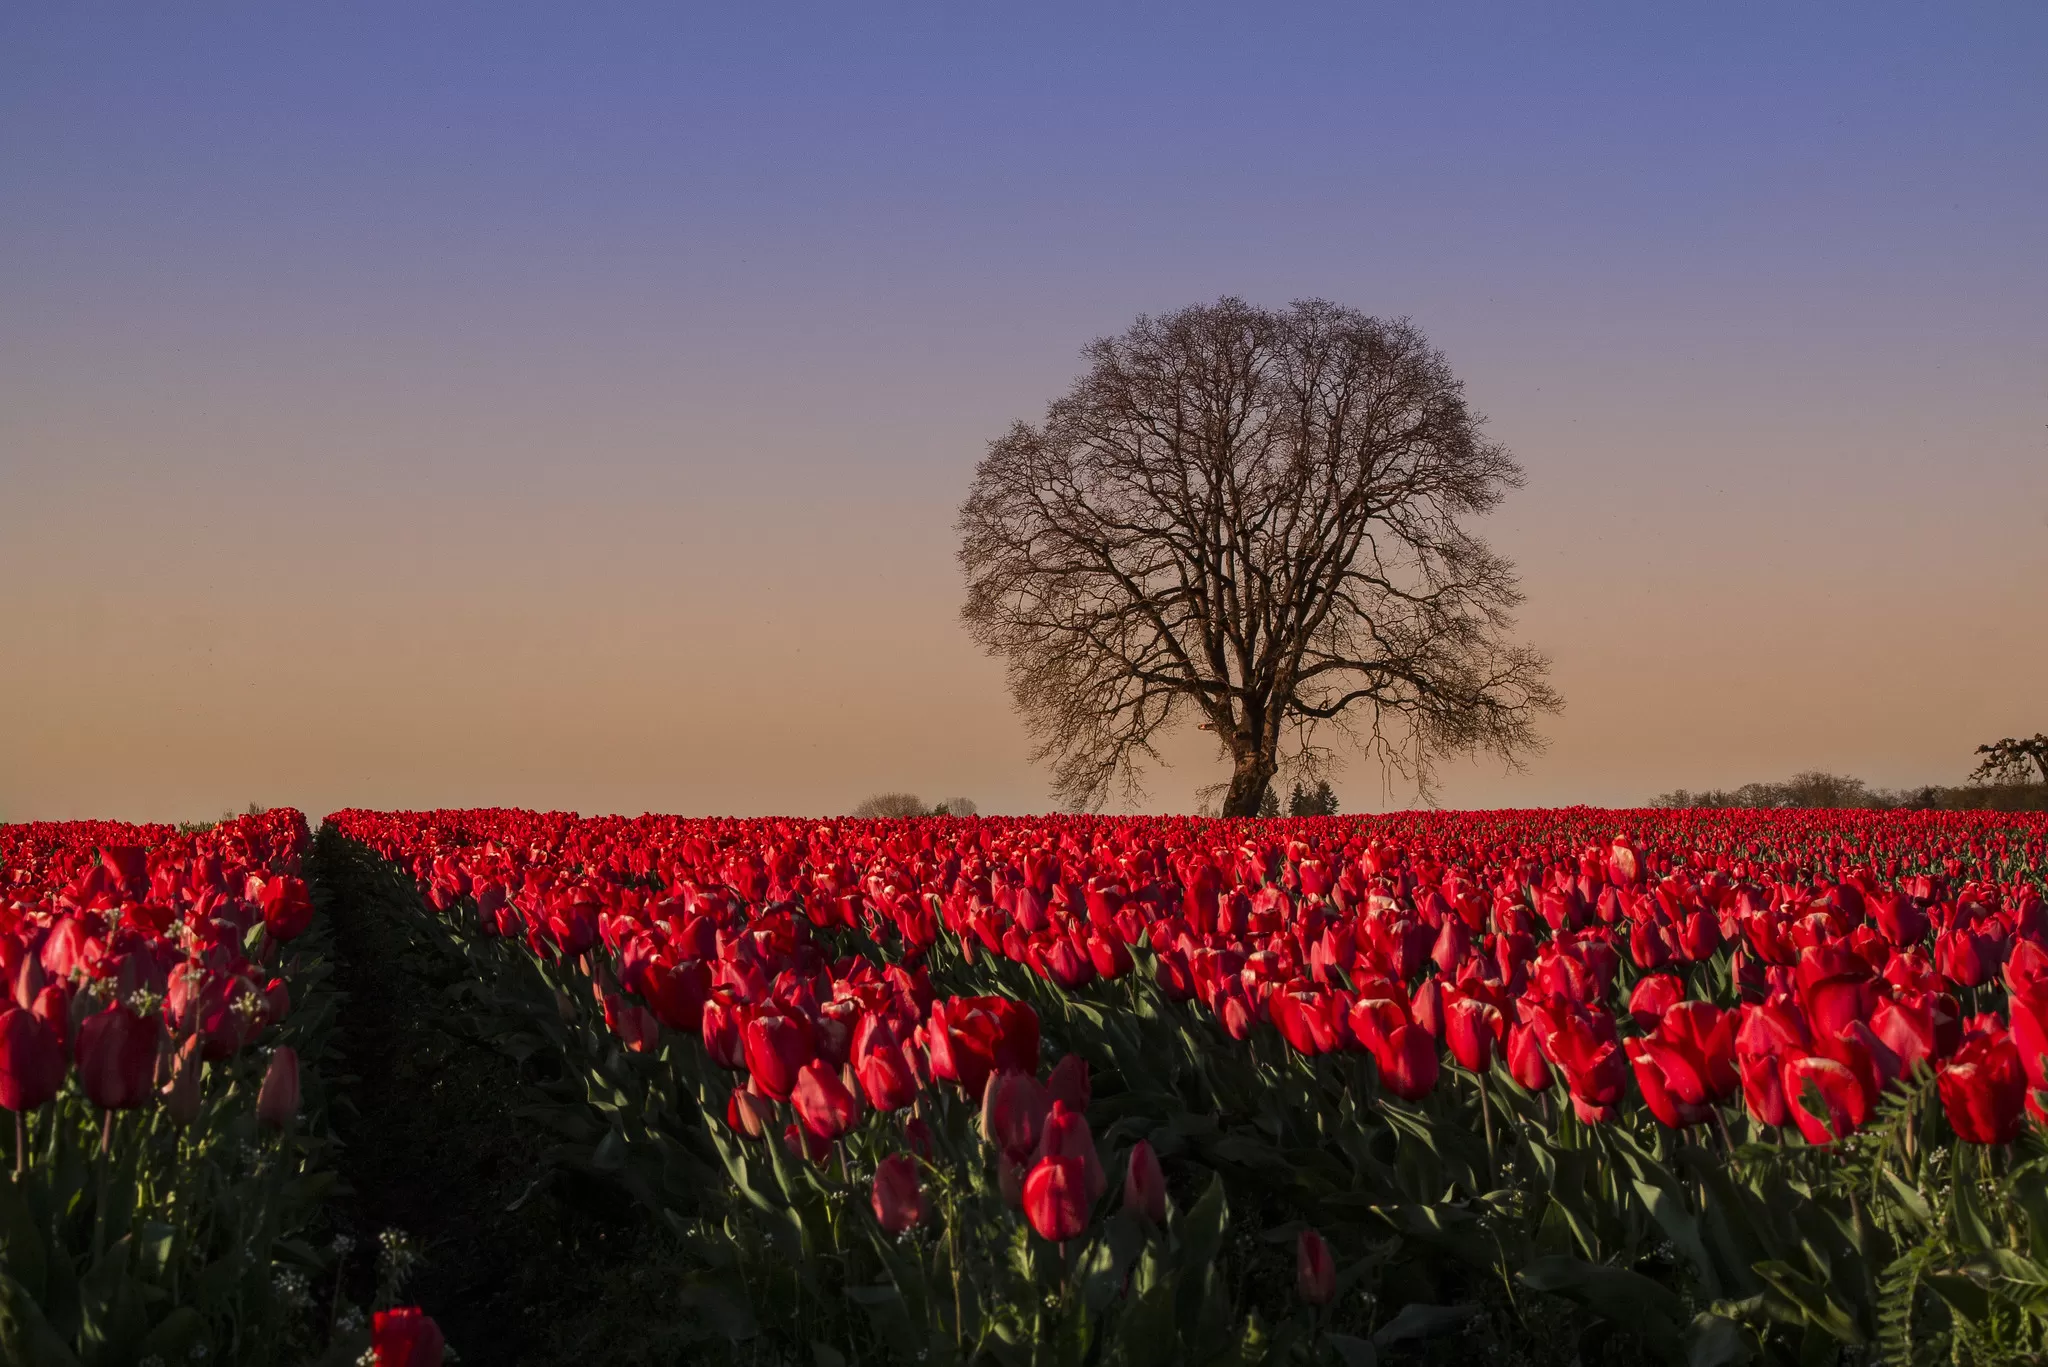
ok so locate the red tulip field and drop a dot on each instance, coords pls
(1548, 1087)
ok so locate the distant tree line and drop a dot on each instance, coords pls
(2003, 782)
(910, 804)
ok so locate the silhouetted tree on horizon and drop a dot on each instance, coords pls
(1257, 517)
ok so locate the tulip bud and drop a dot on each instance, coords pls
(898, 1199)
(824, 1105)
(277, 1000)
(1068, 1082)
(1315, 1272)
(748, 1113)
(1145, 1184)
(117, 1057)
(1526, 1064)
(1013, 1111)
(28, 981)
(32, 1064)
(277, 1102)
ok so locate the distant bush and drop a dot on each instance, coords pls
(891, 804)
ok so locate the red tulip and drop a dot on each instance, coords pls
(886, 1076)
(720, 1027)
(1704, 1035)
(277, 1101)
(1837, 1001)
(28, 978)
(898, 1198)
(1066, 1133)
(971, 1037)
(1302, 1017)
(2030, 1033)
(2027, 966)
(287, 908)
(636, 1026)
(228, 1015)
(1983, 1090)
(1373, 1017)
(1905, 1022)
(1236, 1015)
(748, 1112)
(1176, 979)
(1056, 1197)
(676, 993)
(1899, 918)
(1407, 1062)
(128, 866)
(1842, 1099)
(1655, 994)
(1763, 1089)
(1145, 1184)
(406, 1337)
(1453, 944)
(1315, 1271)
(1013, 1111)
(117, 1057)
(1966, 957)
(1594, 1067)
(32, 1065)
(1526, 1063)
(1776, 1028)
(1670, 1084)
(1472, 1028)
(1426, 1007)
(1107, 952)
(778, 1044)
(1699, 935)
(1063, 963)
(824, 1105)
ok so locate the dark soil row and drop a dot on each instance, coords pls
(524, 1263)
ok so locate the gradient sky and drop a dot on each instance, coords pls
(568, 405)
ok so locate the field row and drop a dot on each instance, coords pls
(1668, 1086)
(164, 1012)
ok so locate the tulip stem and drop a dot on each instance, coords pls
(20, 1144)
(1486, 1118)
(953, 1261)
(99, 1215)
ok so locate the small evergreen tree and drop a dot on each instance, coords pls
(1320, 800)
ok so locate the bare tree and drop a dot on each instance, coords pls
(1252, 517)
(2006, 761)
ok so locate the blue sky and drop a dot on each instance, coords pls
(546, 398)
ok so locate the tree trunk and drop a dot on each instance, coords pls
(1248, 784)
